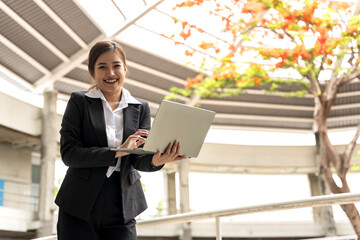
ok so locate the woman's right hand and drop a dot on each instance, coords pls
(133, 141)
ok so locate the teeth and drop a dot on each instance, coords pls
(110, 81)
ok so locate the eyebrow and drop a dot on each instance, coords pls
(103, 63)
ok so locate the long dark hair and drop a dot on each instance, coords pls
(100, 48)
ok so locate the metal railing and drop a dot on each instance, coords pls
(318, 201)
(349, 237)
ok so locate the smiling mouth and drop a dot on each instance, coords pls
(111, 80)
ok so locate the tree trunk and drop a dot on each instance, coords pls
(323, 215)
(331, 159)
(327, 154)
(353, 215)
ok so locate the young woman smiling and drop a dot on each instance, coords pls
(101, 193)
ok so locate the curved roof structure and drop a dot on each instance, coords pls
(44, 45)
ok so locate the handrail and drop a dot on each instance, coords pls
(317, 201)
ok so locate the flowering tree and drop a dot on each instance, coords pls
(317, 44)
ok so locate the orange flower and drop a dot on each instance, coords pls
(253, 7)
(280, 64)
(184, 24)
(188, 53)
(185, 35)
(206, 45)
(193, 81)
(256, 81)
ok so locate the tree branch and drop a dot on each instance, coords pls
(322, 63)
(315, 86)
(346, 79)
(289, 35)
(349, 149)
(331, 153)
(352, 56)
(330, 180)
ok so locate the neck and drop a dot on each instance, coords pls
(113, 97)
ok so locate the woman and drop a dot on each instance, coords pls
(101, 193)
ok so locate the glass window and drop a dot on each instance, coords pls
(2, 185)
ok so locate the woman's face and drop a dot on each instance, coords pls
(109, 73)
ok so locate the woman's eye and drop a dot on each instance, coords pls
(101, 67)
(117, 66)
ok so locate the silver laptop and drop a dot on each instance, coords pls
(175, 121)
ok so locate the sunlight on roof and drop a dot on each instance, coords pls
(150, 32)
(146, 34)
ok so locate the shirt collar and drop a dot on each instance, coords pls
(126, 97)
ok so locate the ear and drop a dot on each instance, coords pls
(126, 71)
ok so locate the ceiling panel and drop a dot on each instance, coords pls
(157, 63)
(26, 42)
(18, 65)
(75, 18)
(351, 87)
(341, 100)
(66, 88)
(43, 24)
(151, 79)
(344, 123)
(259, 111)
(80, 75)
(144, 93)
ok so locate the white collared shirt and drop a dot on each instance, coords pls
(114, 120)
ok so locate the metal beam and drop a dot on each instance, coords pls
(74, 82)
(61, 23)
(23, 55)
(133, 21)
(33, 32)
(16, 78)
(65, 67)
(81, 55)
(83, 67)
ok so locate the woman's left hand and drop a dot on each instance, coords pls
(170, 155)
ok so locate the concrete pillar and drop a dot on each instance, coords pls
(323, 215)
(49, 152)
(318, 187)
(170, 192)
(184, 168)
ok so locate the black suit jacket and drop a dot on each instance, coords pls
(84, 149)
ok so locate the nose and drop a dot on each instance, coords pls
(110, 72)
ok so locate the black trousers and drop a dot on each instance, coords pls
(106, 220)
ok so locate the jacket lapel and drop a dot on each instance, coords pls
(96, 114)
